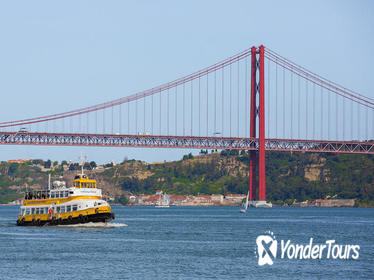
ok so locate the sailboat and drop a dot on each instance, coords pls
(163, 201)
(244, 209)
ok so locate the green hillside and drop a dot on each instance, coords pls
(289, 176)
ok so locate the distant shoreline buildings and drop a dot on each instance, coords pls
(190, 200)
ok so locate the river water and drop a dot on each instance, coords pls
(186, 243)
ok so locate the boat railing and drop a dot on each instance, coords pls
(42, 194)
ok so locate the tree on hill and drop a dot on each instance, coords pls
(47, 164)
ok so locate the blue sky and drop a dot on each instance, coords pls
(57, 56)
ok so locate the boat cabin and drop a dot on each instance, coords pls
(61, 191)
(82, 181)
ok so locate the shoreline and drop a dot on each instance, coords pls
(274, 206)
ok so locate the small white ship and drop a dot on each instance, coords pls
(163, 200)
(255, 204)
(260, 204)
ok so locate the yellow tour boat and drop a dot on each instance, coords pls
(61, 205)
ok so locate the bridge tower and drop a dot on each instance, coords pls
(257, 112)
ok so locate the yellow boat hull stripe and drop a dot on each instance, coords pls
(75, 214)
(48, 202)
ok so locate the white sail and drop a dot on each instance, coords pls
(163, 201)
(246, 201)
(244, 209)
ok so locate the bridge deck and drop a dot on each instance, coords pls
(184, 142)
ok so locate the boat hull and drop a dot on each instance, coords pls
(93, 218)
(260, 204)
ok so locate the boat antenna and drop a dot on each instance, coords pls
(49, 181)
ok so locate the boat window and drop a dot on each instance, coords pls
(37, 211)
(94, 185)
(58, 209)
(62, 210)
(66, 193)
(75, 207)
(27, 211)
(45, 210)
(77, 184)
(21, 211)
(52, 194)
(57, 195)
(68, 208)
(61, 194)
(32, 211)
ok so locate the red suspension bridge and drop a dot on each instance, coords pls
(220, 107)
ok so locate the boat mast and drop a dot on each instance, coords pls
(246, 201)
(82, 161)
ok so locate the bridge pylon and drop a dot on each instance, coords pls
(257, 191)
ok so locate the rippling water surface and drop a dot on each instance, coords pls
(184, 243)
